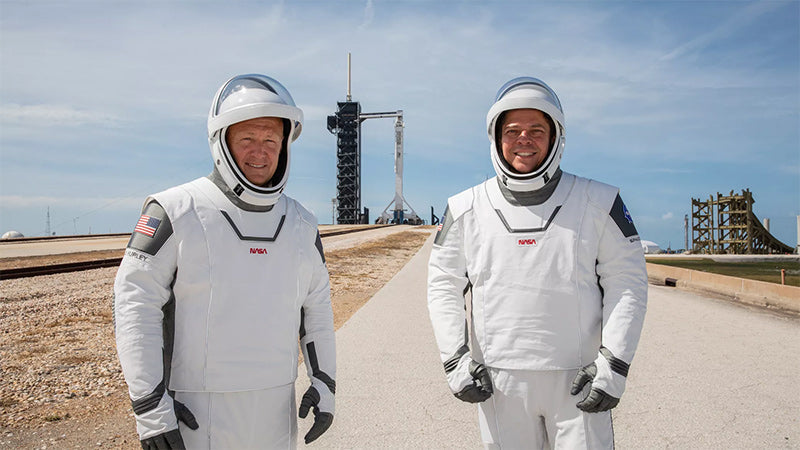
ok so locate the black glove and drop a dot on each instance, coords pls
(322, 420)
(165, 441)
(597, 400)
(172, 439)
(481, 387)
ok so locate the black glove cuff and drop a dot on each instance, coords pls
(452, 362)
(617, 365)
(149, 401)
(476, 369)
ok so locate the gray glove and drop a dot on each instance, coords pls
(607, 375)
(172, 439)
(469, 381)
(481, 387)
(322, 420)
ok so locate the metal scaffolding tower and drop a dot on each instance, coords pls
(703, 226)
(346, 125)
(737, 230)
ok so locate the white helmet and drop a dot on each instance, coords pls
(526, 93)
(246, 97)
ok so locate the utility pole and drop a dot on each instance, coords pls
(47, 224)
(685, 233)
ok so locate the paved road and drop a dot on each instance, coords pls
(708, 374)
(712, 374)
(390, 386)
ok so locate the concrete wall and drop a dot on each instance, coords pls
(761, 293)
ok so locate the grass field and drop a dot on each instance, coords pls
(763, 271)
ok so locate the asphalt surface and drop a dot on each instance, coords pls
(390, 386)
(709, 374)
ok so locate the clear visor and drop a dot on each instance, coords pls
(251, 88)
(528, 82)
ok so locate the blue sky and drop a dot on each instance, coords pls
(103, 103)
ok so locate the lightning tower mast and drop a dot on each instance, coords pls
(345, 124)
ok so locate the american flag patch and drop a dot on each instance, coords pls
(439, 228)
(147, 225)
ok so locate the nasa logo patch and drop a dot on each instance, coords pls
(627, 214)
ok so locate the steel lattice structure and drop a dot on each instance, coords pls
(736, 229)
(703, 226)
(346, 125)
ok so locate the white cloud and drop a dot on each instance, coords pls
(317, 112)
(369, 15)
(790, 169)
(44, 115)
(667, 216)
(731, 25)
(670, 170)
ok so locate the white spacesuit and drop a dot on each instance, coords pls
(536, 289)
(219, 281)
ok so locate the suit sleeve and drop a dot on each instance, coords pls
(142, 296)
(623, 277)
(447, 283)
(317, 339)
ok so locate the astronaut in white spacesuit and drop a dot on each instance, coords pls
(537, 286)
(221, 278)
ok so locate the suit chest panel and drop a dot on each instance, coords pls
(524, 241)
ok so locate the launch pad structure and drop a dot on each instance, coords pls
(398, 214)
(727, 225)
(346, 125)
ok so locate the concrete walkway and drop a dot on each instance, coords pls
(391, 390)
(711, 374)
(708, 374)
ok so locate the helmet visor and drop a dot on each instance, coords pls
(528, 82)
(250, 88)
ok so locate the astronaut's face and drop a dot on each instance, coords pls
(525, 139)
(255, 145)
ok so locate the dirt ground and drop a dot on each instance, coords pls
(60, 381)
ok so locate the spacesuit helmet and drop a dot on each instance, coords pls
(242, 98)
(526, 93)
